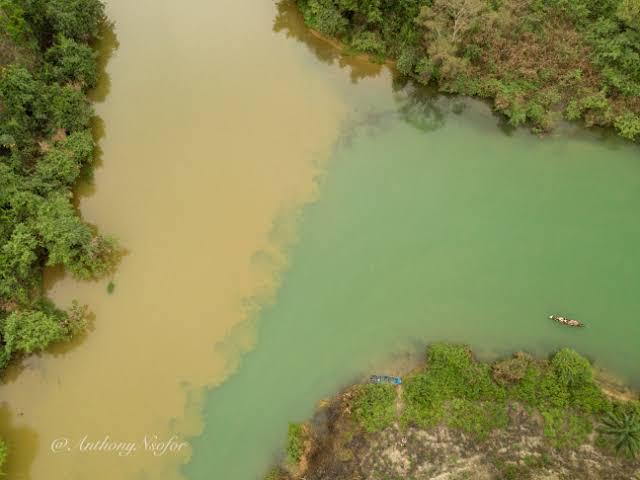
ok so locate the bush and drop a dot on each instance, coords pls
(628, 125)
(373, 406)
(451, 386)
(26, 332)
(368, 42)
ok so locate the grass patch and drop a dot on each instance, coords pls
(454, 386)
(374, 407)
(295, 442)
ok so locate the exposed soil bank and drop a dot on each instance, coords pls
(338, 442)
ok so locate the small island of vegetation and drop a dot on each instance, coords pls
(47, 66)
(538, 60)
(458, 418)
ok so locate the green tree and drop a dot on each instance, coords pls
(70, 61)
(69, 241)
(60, 167)
(68, 109)
(24, 332)
(18, 259)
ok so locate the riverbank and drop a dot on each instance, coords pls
(48, 66)
(456, 418)
(539, 62)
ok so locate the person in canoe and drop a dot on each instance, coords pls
(566, 321)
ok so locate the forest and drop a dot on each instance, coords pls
(47, 66)
(538, 61)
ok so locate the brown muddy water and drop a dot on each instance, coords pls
(294, 221)
(207, 140)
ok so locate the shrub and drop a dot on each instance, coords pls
(373, 406)
(628, 125)
(368, 42)
(452, 376)
(31, 331)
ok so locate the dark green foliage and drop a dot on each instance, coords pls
(472, 396)
(60, 167)
(71, 62)
(568, 382)
(295, 442)
(45, 142)
(448, 388)
(31, 331)
(324, 16)
(373, 406)
(622, 426)
(69, 109)
(77, 19)
(536, 60)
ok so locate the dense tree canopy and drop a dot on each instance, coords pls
(47, 65)
(539, 60)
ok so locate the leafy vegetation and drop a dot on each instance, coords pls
(457, 390)
(47, 65)
(518, 418)
(374, 407)
(538, 60)
(462, 393)
(295, 442)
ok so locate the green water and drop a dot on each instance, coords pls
(432, 223)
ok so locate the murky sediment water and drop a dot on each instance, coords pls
(244, 158)
(208, 140)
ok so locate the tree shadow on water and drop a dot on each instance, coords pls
(289, 21)
(18, 462)
(106, 47)
(422, 106)
(418, 105)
